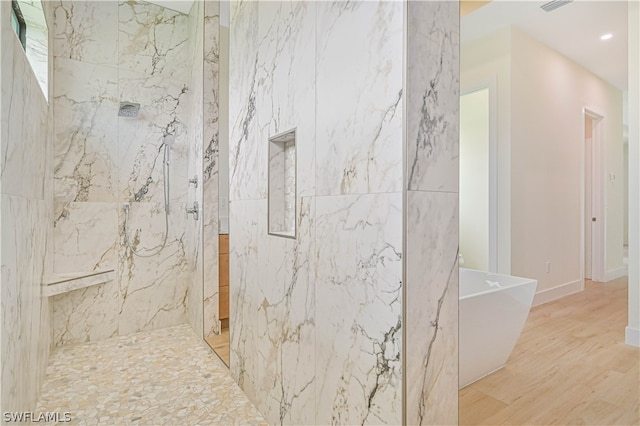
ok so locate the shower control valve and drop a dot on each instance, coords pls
(195, 211)
(194, 181)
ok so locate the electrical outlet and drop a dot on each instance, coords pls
(548, 267)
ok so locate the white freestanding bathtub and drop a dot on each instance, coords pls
(493, 310)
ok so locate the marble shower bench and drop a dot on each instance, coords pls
(64, 283)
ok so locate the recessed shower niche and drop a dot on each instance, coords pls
(282, 184)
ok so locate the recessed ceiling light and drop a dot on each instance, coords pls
(606, 36)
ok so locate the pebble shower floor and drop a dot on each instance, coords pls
(162, 377)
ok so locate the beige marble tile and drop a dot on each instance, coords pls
(25, 228)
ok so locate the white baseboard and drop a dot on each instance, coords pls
(612, 274)
(558, 292)
(632, 336)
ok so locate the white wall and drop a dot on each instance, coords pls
(633, 329)
(540, 96)
(474, 179)
(548, 94)
(625, 184)
(487, 63)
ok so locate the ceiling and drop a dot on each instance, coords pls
(573, 30)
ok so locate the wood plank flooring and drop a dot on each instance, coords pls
(220, 344)
(569, 367)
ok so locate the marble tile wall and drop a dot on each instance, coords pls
(105, 53)
(359, 106)
(317, 321)
(244, 225)
(26, 212)
(210, 166)
(359, 309)
(431, 214)
(194, 241)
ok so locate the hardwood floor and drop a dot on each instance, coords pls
(220, 344)
(569, 367)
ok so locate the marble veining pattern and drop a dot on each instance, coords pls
(210, 269)
(211, 96)
(85, 315)
(273, 325)
(194, 233)
(247, 218)
(165, 376)
(210, 168)
(316, 330)
(25, 128)
(268, 299)
(153, 290)
(84, 236)
(432, 106)
(81, 28)
(105, 53)
(286, 76)
(431, 308)
(359, 108)
(245, 151)
(163, 113)
(153, 40)
(359, 309)
(86, 146)
(24, 310)
(431, 176)
(26, 165)
(291, 325)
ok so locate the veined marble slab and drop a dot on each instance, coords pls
(358, 97)
(209, 164)
(431, 213)
(64, 283)
(432, 87)
(245, 151)
(195, 124)
(105, 53)
(25, 228)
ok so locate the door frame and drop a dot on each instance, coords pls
(598, 196)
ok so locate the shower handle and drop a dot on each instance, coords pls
(195, 211)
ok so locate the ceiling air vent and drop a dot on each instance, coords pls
(553, 5)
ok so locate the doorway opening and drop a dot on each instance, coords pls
(478, 181)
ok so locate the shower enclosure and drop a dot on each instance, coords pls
(128, 139)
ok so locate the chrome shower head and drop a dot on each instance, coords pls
(128, 109)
